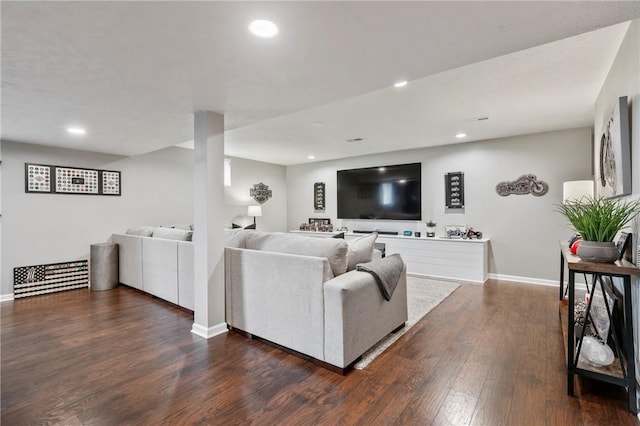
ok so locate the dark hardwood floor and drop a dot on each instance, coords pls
(489, 354)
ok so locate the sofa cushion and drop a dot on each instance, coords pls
(183, 226)
(360, 250)
(236, 238)
(334, 250)
(143, 231)
(172, 234)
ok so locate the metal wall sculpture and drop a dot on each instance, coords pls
(525, 184)
(260, 192)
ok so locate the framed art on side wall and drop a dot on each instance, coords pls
(613, 153)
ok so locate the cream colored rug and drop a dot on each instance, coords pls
(423, 295)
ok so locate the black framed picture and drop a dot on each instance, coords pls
(50, 179)
(316, 221)
(624, 241)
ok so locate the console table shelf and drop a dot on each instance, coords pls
(613, 373)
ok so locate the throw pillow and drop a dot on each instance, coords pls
(340, 235)
(235, 238)
(143, 231)
(360, 250)
(335, 251)
(172, 234)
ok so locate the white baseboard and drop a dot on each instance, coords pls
(439, 278)
(528, 280)
(536, 281)
(6, 297)
(209, 332)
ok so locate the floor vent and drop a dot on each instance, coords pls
(42, 279)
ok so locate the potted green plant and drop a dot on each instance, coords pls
(431, 225)
(598, 220)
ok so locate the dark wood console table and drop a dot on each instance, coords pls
(622, 372)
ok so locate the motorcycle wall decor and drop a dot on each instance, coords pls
(260, 192)
(525, 184)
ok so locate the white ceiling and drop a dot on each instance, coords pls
(133, 73)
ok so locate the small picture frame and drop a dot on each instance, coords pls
(322, 221)
(624, 240)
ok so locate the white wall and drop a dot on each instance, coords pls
(156, 190)
(624, 80)
(524, 229)
(245, 174)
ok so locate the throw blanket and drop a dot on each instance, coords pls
(386, 272)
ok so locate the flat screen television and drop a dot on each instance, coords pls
(388, 192)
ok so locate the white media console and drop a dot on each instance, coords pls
(451, 259)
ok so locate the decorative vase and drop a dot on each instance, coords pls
(430, 232)
(592, 251)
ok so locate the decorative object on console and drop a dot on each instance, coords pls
(599, 220)
(254, 211)
(70, 180)
(261, 193)
(417, 234)
(525, 184)
(431, 225)
(613, 159)
(471, 234)
(454, 190)
(623, 243)
(455, 231)
(319, 196)
(407, 233)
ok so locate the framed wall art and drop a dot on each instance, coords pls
(454, 190)
(76, 181)
(37, 178)
(318, 195)
(49, 179)
(613, 153)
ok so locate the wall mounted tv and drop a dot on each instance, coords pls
(388, 192)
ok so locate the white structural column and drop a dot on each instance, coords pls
(208, 204)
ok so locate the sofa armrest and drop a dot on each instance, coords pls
(278, 297)
(357, 316)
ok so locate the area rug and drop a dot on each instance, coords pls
(423, 295)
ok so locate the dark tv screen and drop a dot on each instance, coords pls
(388, 192)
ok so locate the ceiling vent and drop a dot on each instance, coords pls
(473, 120)
(355, 140)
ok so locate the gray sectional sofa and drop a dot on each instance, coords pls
(296, 291)
(304, 294)
(158, 261)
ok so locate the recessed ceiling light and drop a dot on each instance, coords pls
(355, 140)
(76, 130)
(317, 123)
(461, 135)
(400, 83)
(311, 157)
(263, 29)
(381, 169)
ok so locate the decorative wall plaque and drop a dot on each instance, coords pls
(260, 192)
(318, 195)
(454, 190)
(41, 178)
(525, 184)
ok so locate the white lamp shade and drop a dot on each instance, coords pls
(254, 211)
(575, 190)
